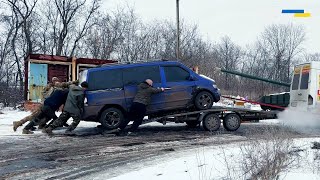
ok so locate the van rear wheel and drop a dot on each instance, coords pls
(111, 118)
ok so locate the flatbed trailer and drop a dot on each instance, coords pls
(211, 119)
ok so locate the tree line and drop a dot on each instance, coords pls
(83, 28)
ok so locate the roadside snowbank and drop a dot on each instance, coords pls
(219, 162)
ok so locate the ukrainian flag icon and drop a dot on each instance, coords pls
(296, 12)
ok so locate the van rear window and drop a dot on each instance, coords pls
(136, 75)
(107, 79)
(295, 82)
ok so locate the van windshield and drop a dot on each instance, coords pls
(83, 76)
(305, 77)
(304, 81)
(295, 82)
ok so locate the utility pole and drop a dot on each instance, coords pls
(178, 31)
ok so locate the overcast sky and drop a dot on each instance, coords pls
(241, 20)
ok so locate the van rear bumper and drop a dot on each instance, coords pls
(91, 113)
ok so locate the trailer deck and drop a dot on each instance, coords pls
(211, 118)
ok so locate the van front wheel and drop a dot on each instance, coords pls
(111, 118)
(203, 100)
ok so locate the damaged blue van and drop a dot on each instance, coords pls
(112, 88)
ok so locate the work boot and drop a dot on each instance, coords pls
(41, 126)
(33, 128)
(66, 125)
(112, 131)
(16, 124)
(122, 133)
(69, 133)
(25, 131)
(131, 133)
(47, 131)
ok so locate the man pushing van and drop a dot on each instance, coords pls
(73, 108)
(139, 106)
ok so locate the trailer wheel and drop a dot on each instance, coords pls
(231, 122)
(192, 124)
(111, 118)
(211, 122)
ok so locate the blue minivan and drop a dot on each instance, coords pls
(112, 88)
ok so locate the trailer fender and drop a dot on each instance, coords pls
(202, 115)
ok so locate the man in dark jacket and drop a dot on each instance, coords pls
(50, 105)
(47, 91)
(138, 108)
(73, 108)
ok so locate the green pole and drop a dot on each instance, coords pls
(255, 77)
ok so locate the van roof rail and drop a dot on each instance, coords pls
(135, 62)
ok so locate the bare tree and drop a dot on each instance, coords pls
(106, 36)
(229, 58)
(282, 43)
(312, 57)
(70, 20)
(24, 9)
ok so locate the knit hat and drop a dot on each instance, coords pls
(55, 79)
(84, 84)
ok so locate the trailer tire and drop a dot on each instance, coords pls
(231, 122)
(203, 100)
(192, 124)
(211, 122)
(111, 118)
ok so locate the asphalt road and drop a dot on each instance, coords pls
(90, 152)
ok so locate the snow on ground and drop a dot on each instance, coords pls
(8, 116)
(200, 163)
(216, 162)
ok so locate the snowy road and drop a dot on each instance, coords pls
(90, 154)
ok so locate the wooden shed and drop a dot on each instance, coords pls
(40, 68)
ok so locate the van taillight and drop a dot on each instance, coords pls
(310, 100)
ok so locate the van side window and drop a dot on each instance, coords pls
(295, 82)
(107, 79)
(136, 75)
(176, 74)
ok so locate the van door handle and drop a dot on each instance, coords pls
(300, 94)
(167, 88)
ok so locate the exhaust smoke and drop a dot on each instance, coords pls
(301, 121)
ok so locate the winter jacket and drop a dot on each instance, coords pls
(75, 101)
(144, 93)
(57, 98)
(50, 88)
(47, 91)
